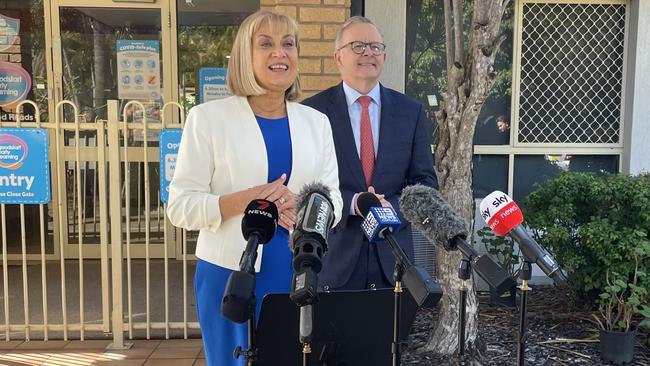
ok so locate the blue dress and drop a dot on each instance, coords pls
(220, 335)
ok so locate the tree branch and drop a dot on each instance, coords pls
(448, 44)
(458, 31)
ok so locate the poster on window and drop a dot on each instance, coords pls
(170, 139)
(9, 28)
(138, 69)
(15, 84)
(212, 84)
(24, 166)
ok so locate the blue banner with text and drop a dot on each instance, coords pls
(24, 166)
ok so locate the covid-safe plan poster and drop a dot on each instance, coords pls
(138, 69)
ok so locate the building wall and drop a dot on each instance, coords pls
(637, 108)
(390, 17)
(318, 22)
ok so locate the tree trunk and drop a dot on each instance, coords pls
(99, 57)
(469, 85)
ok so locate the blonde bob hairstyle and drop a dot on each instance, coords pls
(241, 76)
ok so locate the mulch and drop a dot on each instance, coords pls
(557, 335)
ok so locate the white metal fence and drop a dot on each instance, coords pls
(59, 278)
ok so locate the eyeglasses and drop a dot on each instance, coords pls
(359, 47)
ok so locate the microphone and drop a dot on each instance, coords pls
(504, 217)
(258, 227)
(309, 244)
(380, 222)
(428, 212)
(309, 241)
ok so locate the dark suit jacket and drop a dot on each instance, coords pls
(404, 158)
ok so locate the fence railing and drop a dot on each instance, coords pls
(105, 191)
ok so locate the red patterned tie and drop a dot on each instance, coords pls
(367, 146)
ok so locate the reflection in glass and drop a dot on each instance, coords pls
(533, 169)
(426, 67)
(206, 32)
(89, 215)
(491, 129)
(489, 173)
(22, 46)
(88, 50)
(137, 204)
(25, 49)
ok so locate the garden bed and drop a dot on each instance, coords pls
(557, 335)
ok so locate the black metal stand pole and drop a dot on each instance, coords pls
(464, 271)
(306, 329)
(525, 275)
(250, 355)
(396, 348)
(306, 350)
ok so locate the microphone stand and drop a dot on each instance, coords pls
(247, 264)
(400, 261)
(306, 315)
(250, 355)
(464, 271)
(525, 275)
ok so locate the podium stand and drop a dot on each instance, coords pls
(351, 328)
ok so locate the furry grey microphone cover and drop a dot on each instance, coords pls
(302, 198)
(428, 212)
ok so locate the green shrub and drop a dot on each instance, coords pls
(501, 249)
(593, 224)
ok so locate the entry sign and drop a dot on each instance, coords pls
(170, 139)
(24, 167)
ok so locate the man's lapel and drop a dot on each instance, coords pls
(388, 127)
(342, 130)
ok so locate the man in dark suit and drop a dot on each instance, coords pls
(383, 143)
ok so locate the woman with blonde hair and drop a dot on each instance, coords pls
(257, 144)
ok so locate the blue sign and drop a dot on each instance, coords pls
(212, 84)
(24, 167)
(9, 29)
(138, 69)
(170, 139)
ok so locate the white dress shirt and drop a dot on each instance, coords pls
(354, 110)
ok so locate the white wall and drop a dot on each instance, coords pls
(636, 158)
(390, 17)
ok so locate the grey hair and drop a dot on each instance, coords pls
(353, 20)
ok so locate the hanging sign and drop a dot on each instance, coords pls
(9, 28)
(24, 167)
(138, 69)
(212, 84)
(170, 139)
(15, 83)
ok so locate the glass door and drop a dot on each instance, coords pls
(106, 50)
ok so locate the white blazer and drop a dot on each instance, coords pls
(222, 151)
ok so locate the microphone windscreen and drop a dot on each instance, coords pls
(428, 212)
(365, 201)
(239, 296)
(302, 199)
(261, 217)
(501, 213)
